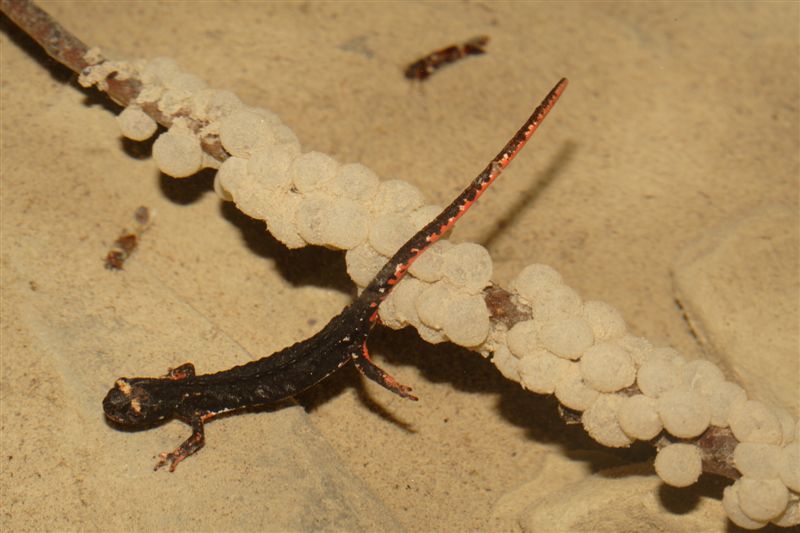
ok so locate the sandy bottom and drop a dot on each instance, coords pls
(677, 120)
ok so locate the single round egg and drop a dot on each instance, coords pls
(506, 363)
(789, 465)
(606, 322)
(405, 296)
(433, 304)
(679, 465)
(280, 223)
(363, 262)
(232, 175)
(466, 321)
(354, 181)
(566, 337)
(269, 166)
(752, 421)
(428, 266)
(757, 460)
(245, 130)
(658, 375)
(684, 412)
(606, 367)
(699, 373)
(522, 338)
(638, 417)
(467, 266)
(178, 153)
(311, 170)
(601, 422)
(135, 124)
(390, 231)
(533, 279)
(396, 196)
(540, 371)
(762, 499)
(721, 396)
(730, 502)
(571, 390)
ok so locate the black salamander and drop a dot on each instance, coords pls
(182, 394)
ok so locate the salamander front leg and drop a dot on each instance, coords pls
(369, 369)
(186, 370)
(190, 446)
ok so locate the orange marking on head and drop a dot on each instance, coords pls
(123, 386)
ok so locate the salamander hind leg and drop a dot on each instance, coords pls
(369, 369)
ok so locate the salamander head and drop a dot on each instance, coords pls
(132, 403)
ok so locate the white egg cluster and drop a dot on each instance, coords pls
(625, 388)
(628, 390)
(310, 198)
(443, 299)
